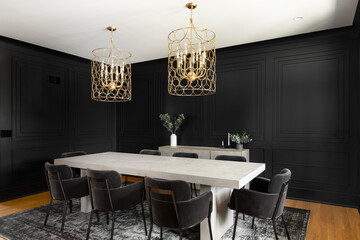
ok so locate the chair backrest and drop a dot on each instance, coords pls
(185, 155)
(279, 184)
(162, 196)
(73, 154)
(230, 158)
(150, 152)
(54, 174)
(100, 185)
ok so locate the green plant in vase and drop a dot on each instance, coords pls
(240, 140)
(172, 127)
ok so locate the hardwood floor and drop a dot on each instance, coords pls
(326, 221)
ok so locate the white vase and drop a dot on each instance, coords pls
(173, 140)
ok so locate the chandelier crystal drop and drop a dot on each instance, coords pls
(111, 73)
(191, 60)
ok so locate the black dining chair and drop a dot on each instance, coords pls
(107, 195)
(230, 158)
(76, 171)
(188, 155)
(145, 152)
(265, 199)
(171, 205)
(64, 187)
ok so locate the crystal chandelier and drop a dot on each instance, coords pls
(111, 73)
(191, 60)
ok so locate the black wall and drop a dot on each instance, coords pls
(45, 101)
(297, 96)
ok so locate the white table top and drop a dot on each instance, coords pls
(202, 171)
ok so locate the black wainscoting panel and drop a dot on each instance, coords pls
(312, 97)
(92, 118)
(317, 170)
(238, 103)
(293, 95)
(140, 109)
(45, 101)
(39, 102)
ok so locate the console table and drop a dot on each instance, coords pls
(205, 152)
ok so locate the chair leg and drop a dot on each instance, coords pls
(287, 232)
(150, 230)
(252, 224)
(107, 218)
(210, 230)
(143, 215)
(180, 233)
(64, 215)
(161, 233)
(276, 236)
(125, 180)
(90, 221)
(48, 211)
(112, 226)
(70, 205)
(97, 216)
(195, 190)
(236, 218)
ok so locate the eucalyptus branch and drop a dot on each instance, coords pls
(171, 127)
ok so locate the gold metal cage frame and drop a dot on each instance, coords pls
(191, 60)
(111, 74)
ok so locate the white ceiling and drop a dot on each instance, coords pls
(78, 26)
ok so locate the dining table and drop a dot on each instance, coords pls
(218, 176)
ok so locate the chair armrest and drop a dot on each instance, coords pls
(193, 211)
(253, 203)
(128, 196)
(260, 184)
(75, 187)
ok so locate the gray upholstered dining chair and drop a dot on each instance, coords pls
(64, 187)
(108, 195)
(76, 171)
(230, 158)
(145, 152)
(265, 199)
(188, 155)
(171, 205)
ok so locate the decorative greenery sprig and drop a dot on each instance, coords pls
(243, 138)
(171, 127)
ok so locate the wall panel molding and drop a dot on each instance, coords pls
(248, 112)
(314, 108)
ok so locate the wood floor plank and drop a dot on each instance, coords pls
(326, 221)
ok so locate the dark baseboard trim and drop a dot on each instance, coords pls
(23, 191)
(324, 202)
(332, 198)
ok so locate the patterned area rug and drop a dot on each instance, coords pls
(29, 225)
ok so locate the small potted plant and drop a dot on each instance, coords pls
(172, 127)
(240, 140)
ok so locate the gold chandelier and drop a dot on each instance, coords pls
(111, 73)
(191, 60)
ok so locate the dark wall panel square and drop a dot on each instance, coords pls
(92, 118)
(39, 99)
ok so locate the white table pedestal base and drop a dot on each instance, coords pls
(222, 218)
(85, 202)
